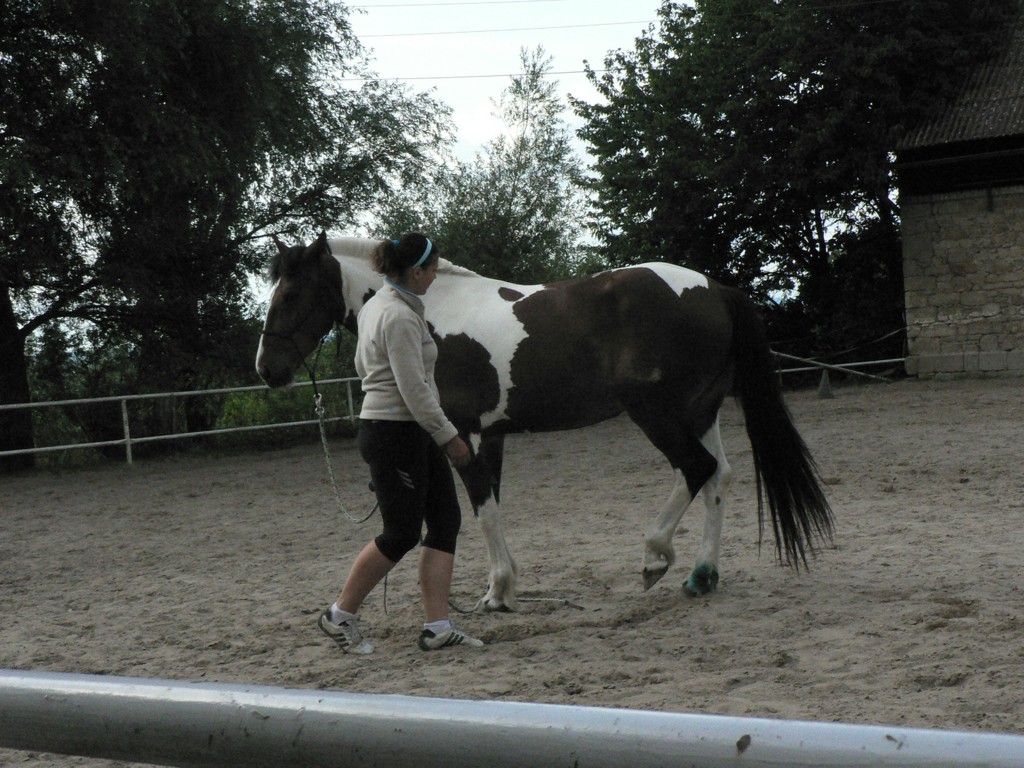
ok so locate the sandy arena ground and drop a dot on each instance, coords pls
(215, 569)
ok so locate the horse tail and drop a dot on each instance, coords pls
(785, 471)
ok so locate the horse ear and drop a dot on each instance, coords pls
(281, 247)
(317, 248)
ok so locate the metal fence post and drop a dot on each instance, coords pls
(127, 430)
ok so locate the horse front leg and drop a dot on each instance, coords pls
(482, 479)
(501, 586)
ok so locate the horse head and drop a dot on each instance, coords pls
(305, 303)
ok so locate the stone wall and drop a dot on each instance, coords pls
(963, 262)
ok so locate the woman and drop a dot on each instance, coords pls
(404, 436)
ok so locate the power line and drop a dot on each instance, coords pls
(463, 77)
(825, 5)
(509, 29)
(435, 5)
(840, 4)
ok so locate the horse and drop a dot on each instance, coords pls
(660, 342)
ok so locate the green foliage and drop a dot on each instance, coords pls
(516, 212)
(746, 138)
(145, 150)
(54, 378)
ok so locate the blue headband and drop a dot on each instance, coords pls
(426, 252)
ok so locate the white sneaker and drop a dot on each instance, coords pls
(346, 634)
(454, 636)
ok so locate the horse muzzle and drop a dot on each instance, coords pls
(274, 377)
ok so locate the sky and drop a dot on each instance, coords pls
(466, 51)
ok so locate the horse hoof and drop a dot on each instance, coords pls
(703, 580)
(490, 605)
(652, 577)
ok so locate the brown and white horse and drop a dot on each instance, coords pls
(660, 342)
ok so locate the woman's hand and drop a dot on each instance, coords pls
(458, 452)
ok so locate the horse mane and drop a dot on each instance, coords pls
(278, 264)
(361, 248)
(448, 268)
(282, 262)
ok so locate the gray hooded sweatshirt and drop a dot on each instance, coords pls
(395, 357)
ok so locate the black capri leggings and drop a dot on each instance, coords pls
(414, 484)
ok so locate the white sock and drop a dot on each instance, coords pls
(339, 616)
(438, 627)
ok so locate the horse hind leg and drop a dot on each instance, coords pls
(659, 553)
(694, 466)
(704, 577)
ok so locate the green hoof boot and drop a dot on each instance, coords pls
(702, 581)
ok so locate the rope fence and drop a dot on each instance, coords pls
(851, 368)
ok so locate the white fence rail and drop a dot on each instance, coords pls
(128, 441)
(169, 722)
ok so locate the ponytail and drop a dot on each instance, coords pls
(395, 257)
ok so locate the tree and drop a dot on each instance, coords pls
(144, 150)
(743, 137)
(516, 212)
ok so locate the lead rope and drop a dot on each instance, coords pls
(321, 414)
(321, 418)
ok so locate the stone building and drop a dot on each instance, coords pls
(961, 183)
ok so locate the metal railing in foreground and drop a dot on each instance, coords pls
(128, 441)
(169, 722)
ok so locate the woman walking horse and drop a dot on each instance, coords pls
(660, 342)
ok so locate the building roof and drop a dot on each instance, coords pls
(990, 105)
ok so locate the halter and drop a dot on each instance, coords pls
(319, 408)
(302, 321)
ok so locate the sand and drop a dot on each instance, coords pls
(214, 568)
